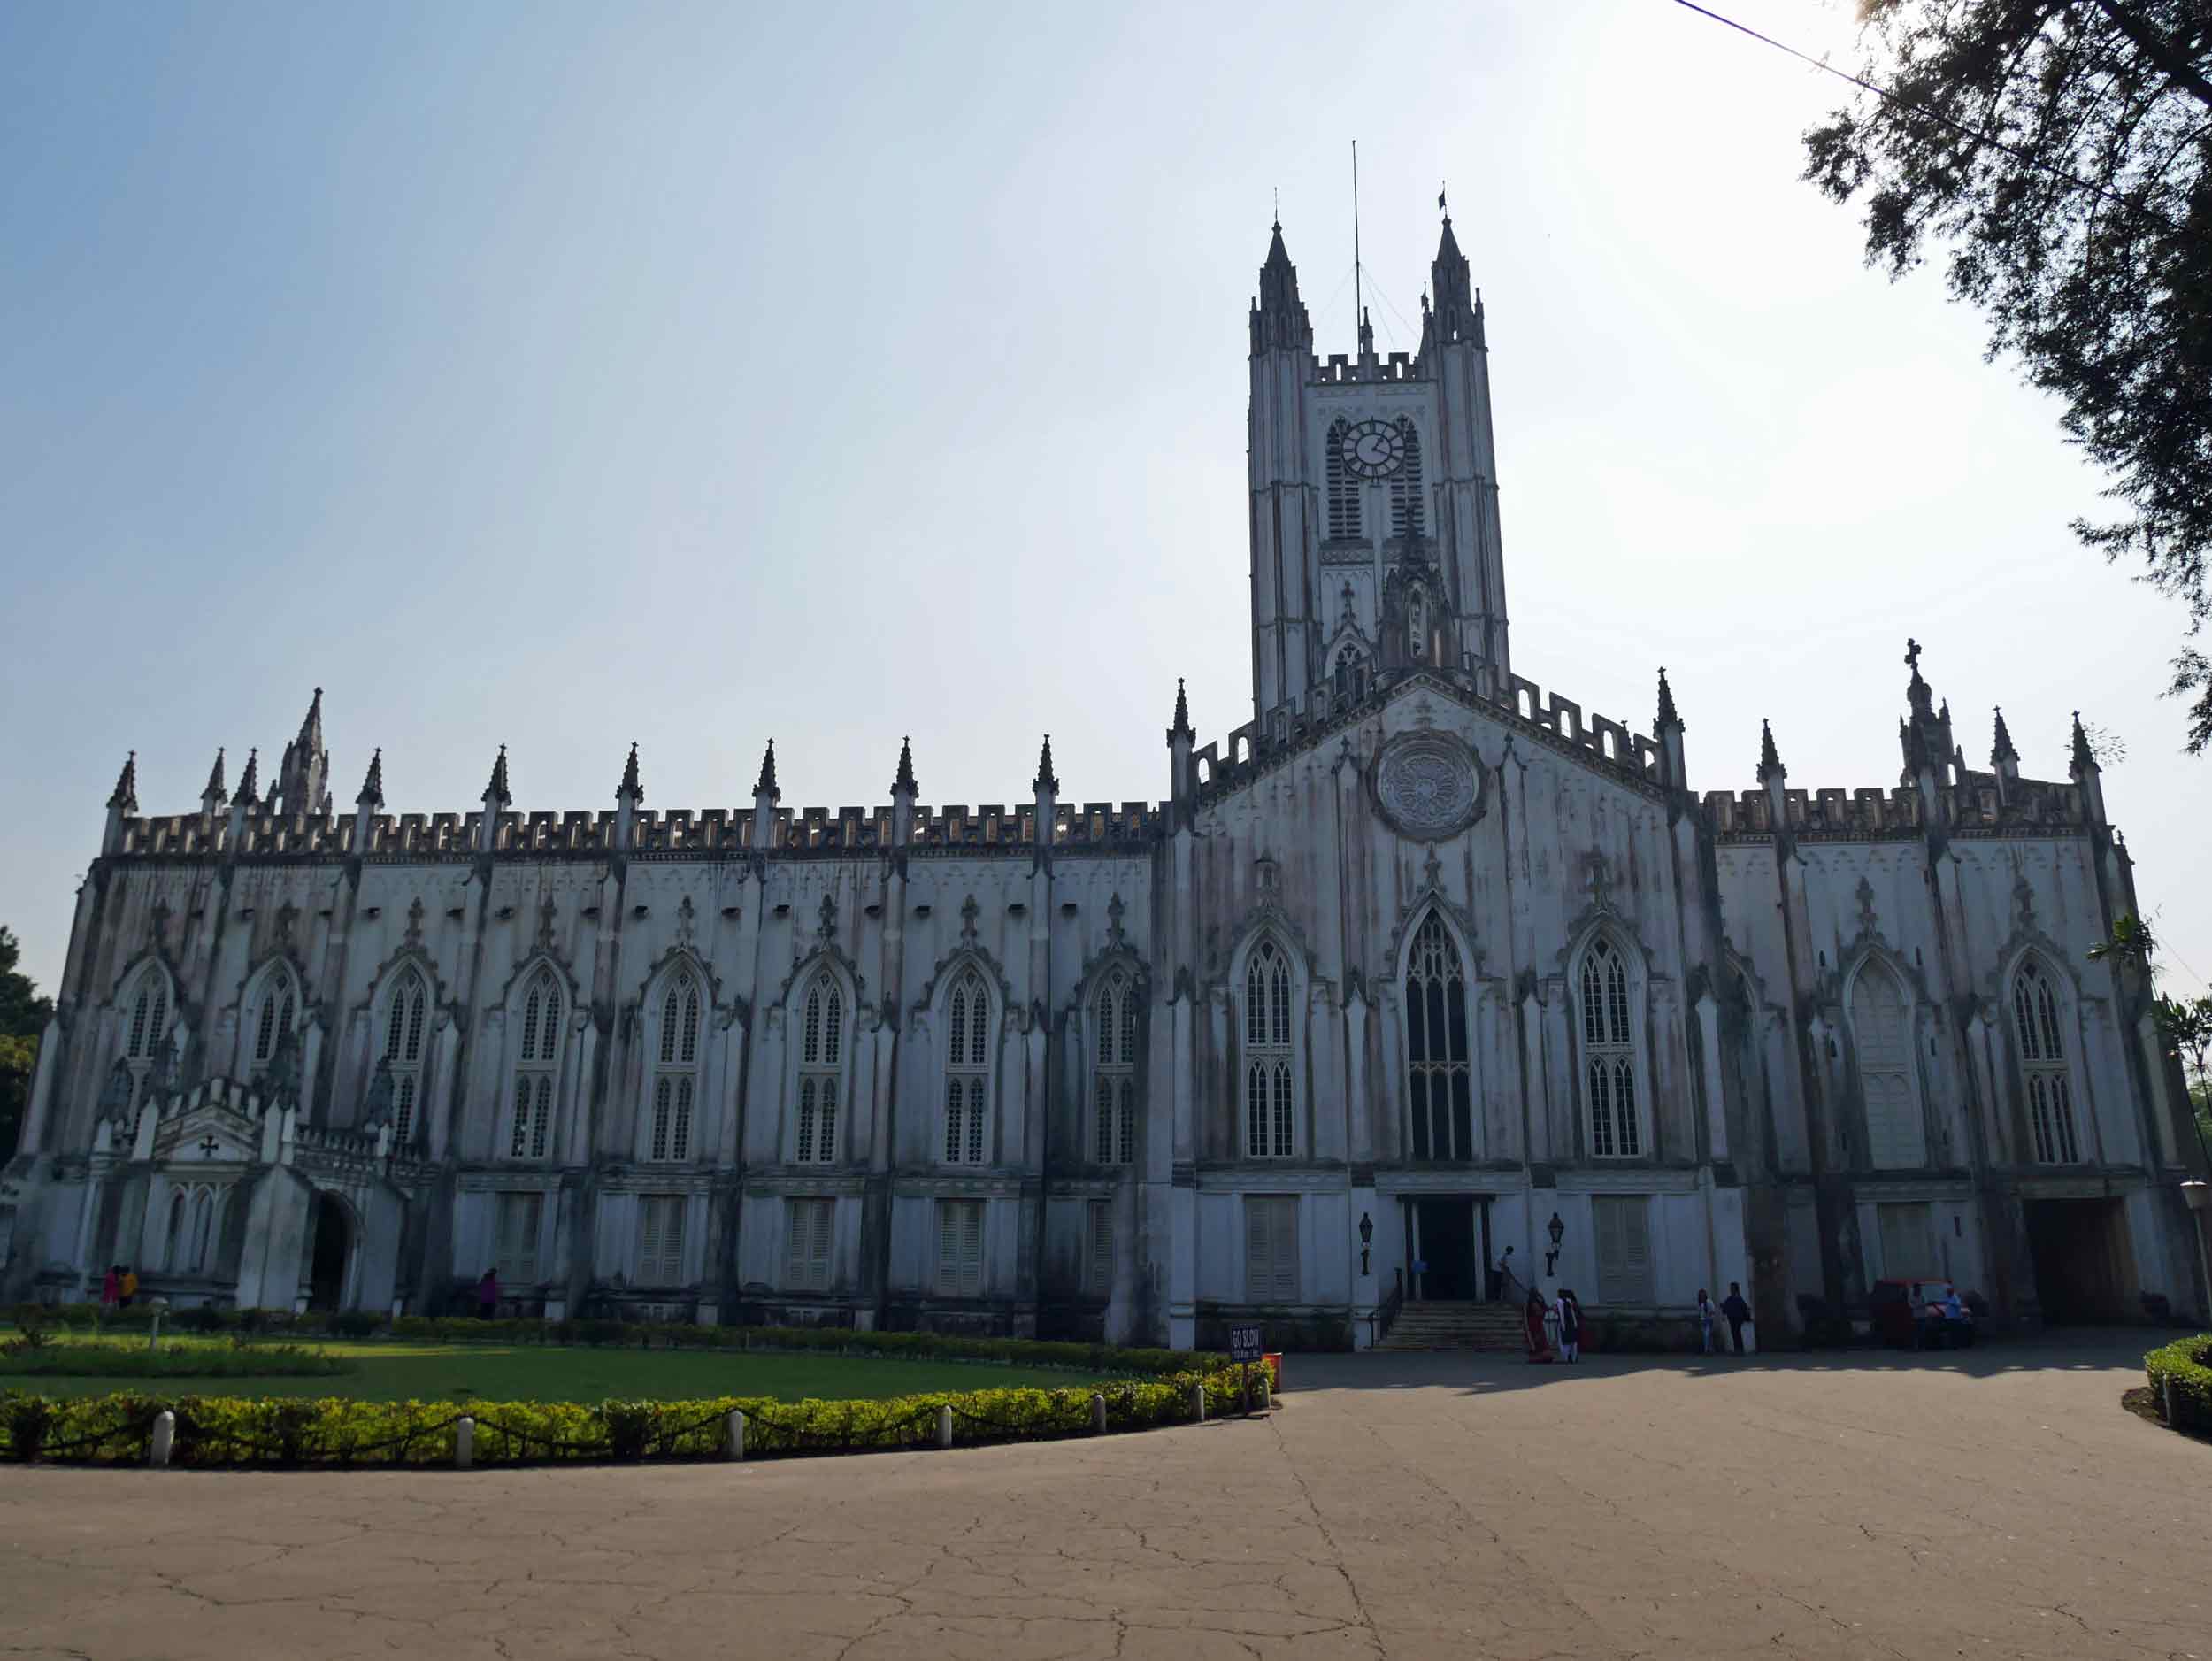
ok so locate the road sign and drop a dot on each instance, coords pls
(1244, 1343)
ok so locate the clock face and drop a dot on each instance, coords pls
(1373, 450)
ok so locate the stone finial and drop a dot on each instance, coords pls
(1667, 716)
(766, 785)
(1770, 759)
(311, 738)
(371, 795)
(630, 785)
(1182, 727)
(216, 790)
(2084, 759)
(1045, 780)
(497, 791)
(2003, 751)
(125, 794)
(903, 780)
(249, 782)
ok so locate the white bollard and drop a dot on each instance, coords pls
(165, 1439)
(1098, 1414)
(463, 1443)
(1267, 1394)
(735, 1447)
(944, 1427)
(1198, 1401)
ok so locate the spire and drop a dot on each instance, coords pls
(1045, 780)
(1667, 716)
(903, 780)
(1457, 305)
(630, 785)
(371, 795)
(2085, 759)
(1182, 727)
(311, 738)
(766, 783)
(126, 794)
(215, 790)
(1278, 315)
(1770, 759)
(496, 790)
(2003, 751)
(250, 782)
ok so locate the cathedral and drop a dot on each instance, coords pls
(1418, 963)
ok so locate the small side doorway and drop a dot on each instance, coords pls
(2085, 1272)
(1450, 1234)
(334, 1240)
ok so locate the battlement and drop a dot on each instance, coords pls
(2025, 805)
(1338, 369)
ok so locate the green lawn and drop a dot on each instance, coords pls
(529, 1373)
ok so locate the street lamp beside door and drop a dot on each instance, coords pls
(1558, 1230)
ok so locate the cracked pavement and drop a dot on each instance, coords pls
(1997, 1504)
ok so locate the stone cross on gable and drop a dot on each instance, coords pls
(686, 915)
(1114, 911)
(968, 912)
(414, 922)
(829, 916)
(210, 1147)
(1912, 654)
(1868, 922)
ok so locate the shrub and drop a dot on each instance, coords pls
(202, 1318)
(128, 1358)
(2180, 1375)
(218, 1430)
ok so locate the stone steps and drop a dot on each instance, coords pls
(1456, 1326)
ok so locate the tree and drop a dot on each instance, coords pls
(23, 1016)
(2060, 148)
(2186, 1028)
(2131, 947)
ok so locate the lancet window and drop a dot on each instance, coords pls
(821, 1061)
(1342, 488)
(1405, 484)
(967, 1069)
(1608, 1054)
(403, 1015)
(1114, 1079)
(1438, 1069)
(1270, 1115)
(535, 1068)
(2035, 1017)
(676, 1071)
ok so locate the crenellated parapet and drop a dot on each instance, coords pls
(1338, 369)
(1977, 807)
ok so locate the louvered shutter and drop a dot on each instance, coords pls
(650, 1227)
(1258, 1252)
(971, 1249)
(818, 1244)
(1101, 1247)
(1285, 1252)
(948, 1247)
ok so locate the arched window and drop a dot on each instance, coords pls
(1438, 1073)
(1608, 1054)
(202, 1230)
(535, 1068)
(173, 1253)
(273, 1019)
(403, 1052)
(150, 1016)
(1881, 1035)
(1114, 1079)
(2035, 1017)
(1405, 484)
(1343, 489)
(1270, 1120)
(676, 1077)
(821, 1062)
(967, 1068)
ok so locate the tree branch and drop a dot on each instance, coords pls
(2159, 50)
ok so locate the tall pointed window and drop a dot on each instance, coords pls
(1608, 1054)
(173, 1255)
(204, 1212)
(1405, 484)
(676, 1075)
(1343, 489)
(148, 1029)
(403, 1052)
(1270, 1119)
(967, 1068)
(1114, 1080)
(2035, 1017)
(1437, 1067)
(821, 1058)
(274, 1017)
(1881, 1037)
(1416, 624)
(534, 1070)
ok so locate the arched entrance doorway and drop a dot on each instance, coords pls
(334, 1244)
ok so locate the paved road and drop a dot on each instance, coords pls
(1410, 1505)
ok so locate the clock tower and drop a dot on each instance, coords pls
(1374, 520)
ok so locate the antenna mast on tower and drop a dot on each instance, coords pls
(1359, 299)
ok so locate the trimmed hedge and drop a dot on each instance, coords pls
(2180, 1375)
(229, 1431)
(637, 1335)
(189, 1359)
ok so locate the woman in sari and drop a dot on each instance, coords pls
(1539, 1346)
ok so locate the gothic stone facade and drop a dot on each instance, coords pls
(1414, 963)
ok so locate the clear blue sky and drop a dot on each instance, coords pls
(570, 375)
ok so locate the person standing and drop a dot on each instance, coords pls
(1505, 1273)
(111, 1288)
(1539, 1349)
(488, 1295)
(127, 1288)
(1738, 1311)
(1705, 1319)
(1570, 1314)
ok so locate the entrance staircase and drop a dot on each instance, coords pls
(1441, 1323)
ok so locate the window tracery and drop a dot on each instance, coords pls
(1439, 1072)
(1269, 1117)
(676, 1075)
(402, 1051)
(1114, 1077)
(2035, 1017)
(1610, 1054)
(535, 1068)
(821, 1059)
(967, 1069)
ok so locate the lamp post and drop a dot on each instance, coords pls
(1366, 1236)
(1558, 1230)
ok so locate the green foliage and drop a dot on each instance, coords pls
(2131, 947)
(23, 1016)
(2058, 148)
(215, 1430)
(128, 1358)
(2180, 1375)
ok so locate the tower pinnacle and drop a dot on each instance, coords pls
(1180, 728)
(903, 780)
(766, 785)
(1770, 759)
(371, 795)
(630, 785)
(126, 794)
(1278, 315)
(1667, 716)
(1045, 780)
